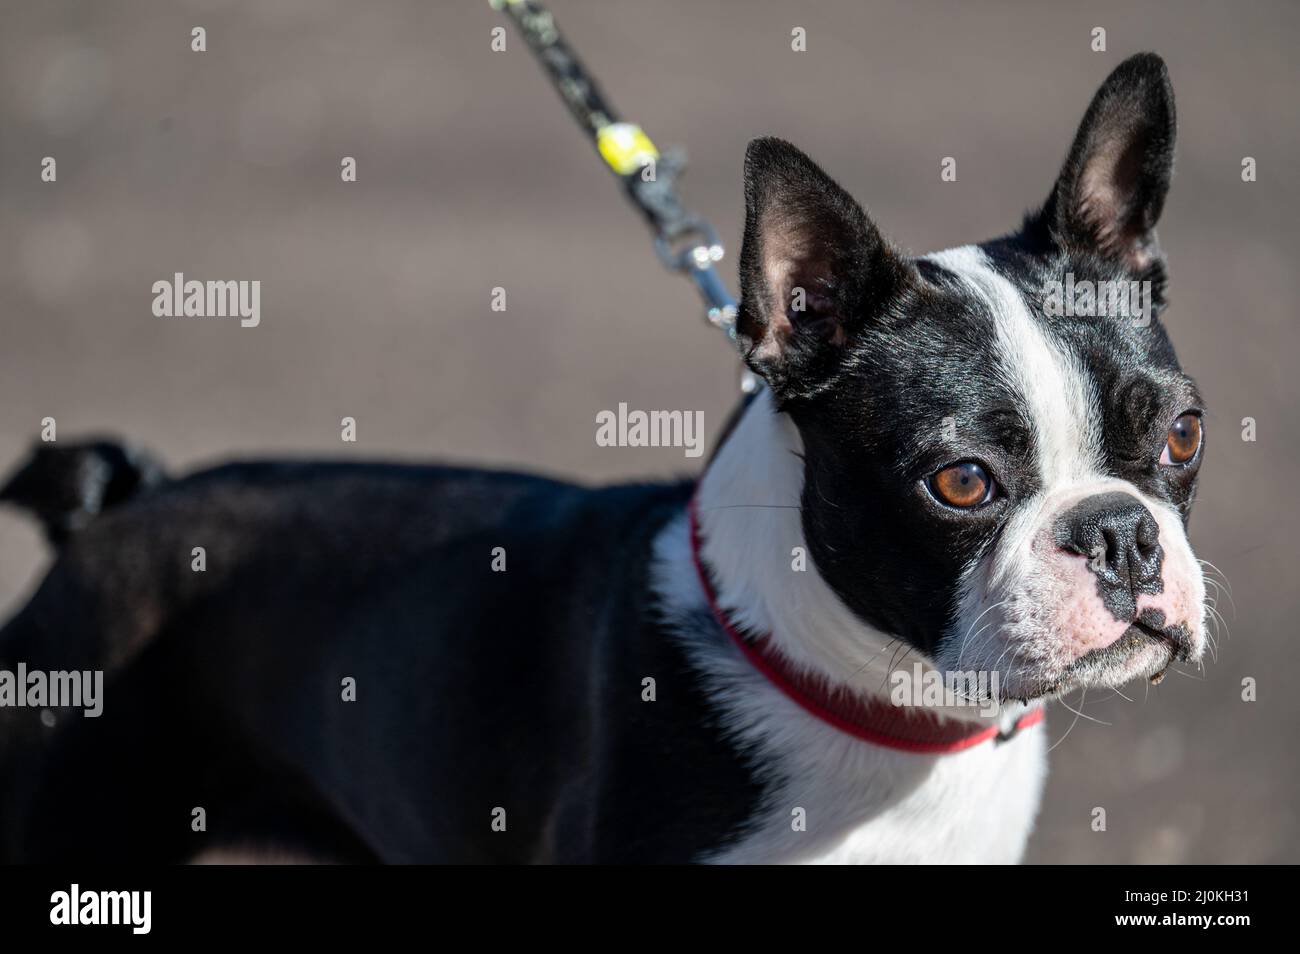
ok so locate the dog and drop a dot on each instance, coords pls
(941, 474)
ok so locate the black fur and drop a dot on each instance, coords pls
(67, 485)
(223, 688)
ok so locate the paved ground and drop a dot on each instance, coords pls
(375, 297)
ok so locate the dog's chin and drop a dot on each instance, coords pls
(1142, 652)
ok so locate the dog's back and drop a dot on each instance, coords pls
(380, 697)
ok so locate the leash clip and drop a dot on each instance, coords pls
(693, 248)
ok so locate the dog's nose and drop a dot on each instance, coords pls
(1120, 540)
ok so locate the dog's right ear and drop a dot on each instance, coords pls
(813, 269)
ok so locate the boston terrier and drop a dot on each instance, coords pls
(945, 473)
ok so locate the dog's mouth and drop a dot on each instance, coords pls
(1176, 638)
(1147, 649)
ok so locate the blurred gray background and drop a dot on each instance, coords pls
(375, 294)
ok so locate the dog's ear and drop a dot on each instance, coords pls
(1112, 188)
(813, 268)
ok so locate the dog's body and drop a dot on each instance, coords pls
(225, 688)
(937, 471)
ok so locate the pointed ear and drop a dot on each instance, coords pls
(1112, 188)
(812, 269)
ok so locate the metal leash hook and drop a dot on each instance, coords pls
(697, 262)
(684, 242)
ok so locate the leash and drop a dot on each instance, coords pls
(869, 718)
(684, 242)
(688, 244)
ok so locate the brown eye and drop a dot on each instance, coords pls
(1183, 441)
(963, 485)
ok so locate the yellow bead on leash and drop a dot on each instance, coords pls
(625, 147)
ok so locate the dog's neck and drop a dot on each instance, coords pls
(752, 541)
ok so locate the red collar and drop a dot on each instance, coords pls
(868, 718)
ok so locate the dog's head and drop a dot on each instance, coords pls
(1001, 449)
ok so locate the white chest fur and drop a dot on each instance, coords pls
(832, 798)
(862, 804)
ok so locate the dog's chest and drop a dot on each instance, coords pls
(830, 797)
(833, 799)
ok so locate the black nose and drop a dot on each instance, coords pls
(1121, 541)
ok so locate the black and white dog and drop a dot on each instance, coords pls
(944, 474)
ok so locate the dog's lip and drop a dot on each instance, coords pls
(1175, 637)
(1117, 663)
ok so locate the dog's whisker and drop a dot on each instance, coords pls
(961, 648)
(1079, 712)
(894, 663)
(1222, 579)
(998, 665)
(982, 628)
(857, 672)
(1116, 691)
(1068, 730)
(1211, 637)
(1206, 563)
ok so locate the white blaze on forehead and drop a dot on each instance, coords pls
(1057, 393)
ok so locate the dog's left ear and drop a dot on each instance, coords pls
(813, 269)
(1112, 188)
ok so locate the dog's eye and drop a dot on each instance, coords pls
(963, 485)
(1183, 441)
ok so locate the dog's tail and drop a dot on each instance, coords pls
(68, 485)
